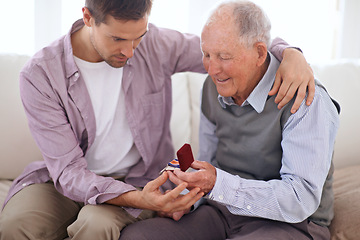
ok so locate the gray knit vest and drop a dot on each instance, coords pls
(250, 143)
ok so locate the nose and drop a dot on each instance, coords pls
(128, 49)
(213, 67)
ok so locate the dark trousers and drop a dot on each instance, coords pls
(213, 221)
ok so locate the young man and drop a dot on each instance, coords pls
(98, 102)
(269, 176)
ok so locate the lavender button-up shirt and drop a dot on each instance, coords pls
(62, 121)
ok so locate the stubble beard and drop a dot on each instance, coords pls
(111, 63)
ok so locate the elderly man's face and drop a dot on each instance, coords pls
(232, 66)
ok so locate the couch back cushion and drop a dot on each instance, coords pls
(17, 148)
(342, 80)
(185, 118)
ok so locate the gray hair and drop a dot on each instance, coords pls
(252, 22)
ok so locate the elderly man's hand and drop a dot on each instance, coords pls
(294, 74)
(204, 178)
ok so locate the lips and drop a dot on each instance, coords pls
(222, 80)
(121, 58)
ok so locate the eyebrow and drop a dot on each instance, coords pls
(143, 34)
(134, 39)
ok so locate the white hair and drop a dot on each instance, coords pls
(252, 22)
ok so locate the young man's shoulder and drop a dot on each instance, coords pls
(49, 55)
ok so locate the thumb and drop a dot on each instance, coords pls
(198, 165)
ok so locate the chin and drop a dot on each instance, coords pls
(116, 64)
(225, 92)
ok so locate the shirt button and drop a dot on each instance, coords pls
(24, 184)
(76, 75)
(248, 207)
(221, 197)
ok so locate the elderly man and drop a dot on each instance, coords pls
(269, 176)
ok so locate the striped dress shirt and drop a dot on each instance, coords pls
(304, 164)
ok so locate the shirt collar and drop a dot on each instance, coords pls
(70, 65)
(258, 96)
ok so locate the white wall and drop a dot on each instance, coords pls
(323, 29)
(47, 22)
(349, 34)
(17, 26)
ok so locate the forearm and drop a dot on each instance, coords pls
(266, 199)
(128, 199)
(278, 46)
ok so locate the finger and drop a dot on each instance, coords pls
(276, 85)
(178, 172)
(288, 94)
(282, 92)
(157, 182)
(195, 192)
(311, 93)
(191, 197)
(299, 98)
(173, 194)
(186, 201)
(198, 165)
(183, 176)
(199, 178)
(174, 179)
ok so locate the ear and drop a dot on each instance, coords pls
(86, 16)
(262, 52)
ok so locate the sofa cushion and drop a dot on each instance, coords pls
(17, 148)
(346, 222)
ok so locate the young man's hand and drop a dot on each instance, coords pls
(152, 198)
(294, 75)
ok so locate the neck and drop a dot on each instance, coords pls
(82, 46)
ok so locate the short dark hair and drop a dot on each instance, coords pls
(119, 9)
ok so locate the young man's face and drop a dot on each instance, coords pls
(116, 40)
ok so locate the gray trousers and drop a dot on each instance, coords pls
(214, 222)
(40, 212)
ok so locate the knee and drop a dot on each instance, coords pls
(93, 222)
(14, 227)
(132, 232)
(94, 217)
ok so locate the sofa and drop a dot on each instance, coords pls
(341, 78)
